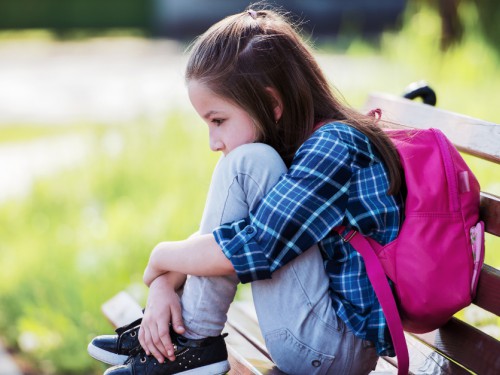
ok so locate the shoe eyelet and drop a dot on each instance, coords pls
(143, 359)
(133, 333)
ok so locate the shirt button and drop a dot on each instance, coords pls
(316, 363)
(249, 229)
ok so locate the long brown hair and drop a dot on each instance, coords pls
(242, 56)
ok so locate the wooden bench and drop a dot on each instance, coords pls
(457, 347)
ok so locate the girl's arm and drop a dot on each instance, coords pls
(199, 255)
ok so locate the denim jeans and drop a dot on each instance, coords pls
(294, 308)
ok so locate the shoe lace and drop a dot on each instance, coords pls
(125, 328)
(134, 352)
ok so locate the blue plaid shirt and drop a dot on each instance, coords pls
(336, 179)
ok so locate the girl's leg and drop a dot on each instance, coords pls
(300, 326)
(239, 182)
(294, 308)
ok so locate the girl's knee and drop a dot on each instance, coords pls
(258, 155)
(256, 164)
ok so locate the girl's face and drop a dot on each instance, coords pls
(229, 126)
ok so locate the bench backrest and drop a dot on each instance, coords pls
(458, 341)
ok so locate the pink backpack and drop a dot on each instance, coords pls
(435, 261)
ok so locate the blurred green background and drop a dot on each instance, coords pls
(105, 78)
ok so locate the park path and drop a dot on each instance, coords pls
(23, 162)
(98, 81)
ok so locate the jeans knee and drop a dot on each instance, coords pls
(258, 154)
(253, 166)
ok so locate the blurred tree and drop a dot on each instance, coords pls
(452, 27)
(60, 15)
(451, 24)
(489, 18)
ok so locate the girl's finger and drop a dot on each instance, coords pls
(149, 346)
(166, 341)
(156, 347)
(177, 322)
(142, 338)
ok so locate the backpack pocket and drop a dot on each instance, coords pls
(477, 242)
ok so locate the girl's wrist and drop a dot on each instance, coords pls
(170, 280)
(158, 261)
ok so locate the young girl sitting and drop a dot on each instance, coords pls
(297, 164)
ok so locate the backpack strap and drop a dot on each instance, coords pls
(384, 294)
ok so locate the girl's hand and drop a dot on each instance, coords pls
(163, 307)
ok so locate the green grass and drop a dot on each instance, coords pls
(86, 234)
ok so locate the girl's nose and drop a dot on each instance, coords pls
(216, 145)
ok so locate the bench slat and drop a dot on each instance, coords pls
(476, 137)
(245, 358)
(425, 360)
(488, 290)
(239, 366)
(490, 213)
(468, 346)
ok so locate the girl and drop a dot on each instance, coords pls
(252, 78)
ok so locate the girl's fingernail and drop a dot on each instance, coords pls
(170, 353)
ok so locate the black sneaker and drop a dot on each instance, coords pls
(115, 349)
(194, 357)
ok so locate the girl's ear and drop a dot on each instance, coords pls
(277, 103)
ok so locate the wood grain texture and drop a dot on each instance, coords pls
(464, 344)
(488, 290)
(424, 359)
(490, 213)
(470, 135)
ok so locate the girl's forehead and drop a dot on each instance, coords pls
(199, 90)
(196, 87)
(207, 102)
(194, 84)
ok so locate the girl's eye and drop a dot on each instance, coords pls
(217, 121)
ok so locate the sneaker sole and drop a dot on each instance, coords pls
(218, 368)
(105, 356)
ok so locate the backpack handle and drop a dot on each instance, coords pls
(421, 90)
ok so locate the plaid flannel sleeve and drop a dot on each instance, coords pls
(300, 210)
